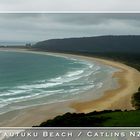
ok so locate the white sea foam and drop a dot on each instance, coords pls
(31, 96)
(13, 92)
(68, 77)
(75, 73)
(22, 97)
(39, 86)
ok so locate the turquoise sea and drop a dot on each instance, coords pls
(28, 79)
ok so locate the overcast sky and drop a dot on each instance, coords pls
(37, 27)
(68, 5)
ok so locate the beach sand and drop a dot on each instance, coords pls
(119, 98)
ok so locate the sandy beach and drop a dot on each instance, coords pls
(119, 98)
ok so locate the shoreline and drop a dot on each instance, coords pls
(119, 98)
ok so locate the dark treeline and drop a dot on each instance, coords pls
(117, 44)
(121, 48)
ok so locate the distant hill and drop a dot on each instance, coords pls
(99, 44)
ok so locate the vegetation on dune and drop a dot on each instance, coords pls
(73, 119)
(105, 118)
(136, 100)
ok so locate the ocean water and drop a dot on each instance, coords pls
(28, 79)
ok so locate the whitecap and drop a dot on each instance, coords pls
(39, 86)
(74, 73)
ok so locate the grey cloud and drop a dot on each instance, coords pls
(93, 18)
(36, 27)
